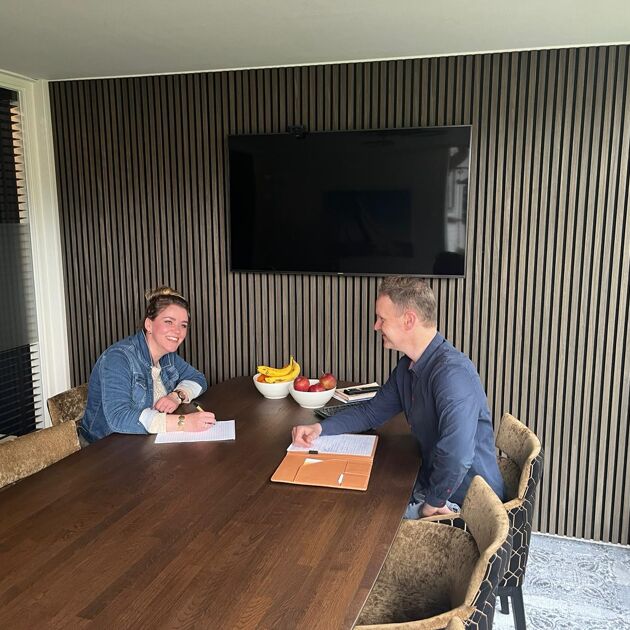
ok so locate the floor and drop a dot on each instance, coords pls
(574, 585)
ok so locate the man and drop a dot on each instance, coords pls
(441, 394)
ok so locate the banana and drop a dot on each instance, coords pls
(271, 371)
(288, 377)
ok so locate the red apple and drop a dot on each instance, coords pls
(318, 387)
(301, 384)
(328, 381)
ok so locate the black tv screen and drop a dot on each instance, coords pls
(353, 202)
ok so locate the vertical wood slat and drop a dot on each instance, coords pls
(543, 310)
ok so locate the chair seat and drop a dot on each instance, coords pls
(417, 559)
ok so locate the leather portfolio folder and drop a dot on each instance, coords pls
(332, 470)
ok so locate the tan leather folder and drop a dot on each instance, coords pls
(350, 472)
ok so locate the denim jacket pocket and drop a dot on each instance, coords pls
(139, 390)
(170, 377)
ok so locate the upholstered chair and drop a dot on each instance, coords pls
(521, 467)
(69, 405)
(435, 573)
(30, 453)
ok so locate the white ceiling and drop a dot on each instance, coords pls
(61, 39)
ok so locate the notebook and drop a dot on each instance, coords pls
(333, 461)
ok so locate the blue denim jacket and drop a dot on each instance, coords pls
(121, 387)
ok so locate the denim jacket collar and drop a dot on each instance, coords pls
(140, 340)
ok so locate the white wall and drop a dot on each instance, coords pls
(45, 236)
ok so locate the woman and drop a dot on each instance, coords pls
(139, 382)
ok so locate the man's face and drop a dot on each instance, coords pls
(390, 323)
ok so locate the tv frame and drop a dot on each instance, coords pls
(301, 130)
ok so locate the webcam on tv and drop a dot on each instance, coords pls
(299, 131)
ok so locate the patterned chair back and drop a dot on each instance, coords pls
(521, 468)
(69, 405)
(431, 563)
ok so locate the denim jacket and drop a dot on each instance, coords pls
(121, 387)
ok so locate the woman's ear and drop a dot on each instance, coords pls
(148, 325)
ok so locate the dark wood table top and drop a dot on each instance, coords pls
(128, 533)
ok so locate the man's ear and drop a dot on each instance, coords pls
(409, 319)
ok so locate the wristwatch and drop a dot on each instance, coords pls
(181, 421)
(180, 394)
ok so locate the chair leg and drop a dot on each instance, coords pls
(505, 604)
(518, 610)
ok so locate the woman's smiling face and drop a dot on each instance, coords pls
(167, 331)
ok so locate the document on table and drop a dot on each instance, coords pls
(221, 431)
(344, 444)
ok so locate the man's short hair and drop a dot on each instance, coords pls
(411, 293)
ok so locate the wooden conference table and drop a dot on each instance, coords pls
(127, 533)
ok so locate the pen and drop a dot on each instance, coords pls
(198, 407)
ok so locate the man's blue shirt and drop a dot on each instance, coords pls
(447, 410)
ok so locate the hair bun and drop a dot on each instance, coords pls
(151, 294)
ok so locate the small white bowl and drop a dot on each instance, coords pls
(272, 390)
(311, 400)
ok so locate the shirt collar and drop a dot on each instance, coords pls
(429, 351)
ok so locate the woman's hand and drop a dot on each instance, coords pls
(167, 404)
(197, 421)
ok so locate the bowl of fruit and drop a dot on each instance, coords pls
(273, 382)
(312, 393)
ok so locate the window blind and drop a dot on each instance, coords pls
(20, 388)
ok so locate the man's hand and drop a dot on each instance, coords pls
(304, 435)
(429, 510)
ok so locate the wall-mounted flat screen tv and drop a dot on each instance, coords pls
(354, 202)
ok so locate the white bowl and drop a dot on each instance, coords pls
(311, 400)
(272, 390)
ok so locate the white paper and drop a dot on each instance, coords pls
(224, 430)
(344, 444)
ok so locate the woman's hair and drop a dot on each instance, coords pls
(158, 299)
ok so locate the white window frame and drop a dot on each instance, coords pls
(41, 189)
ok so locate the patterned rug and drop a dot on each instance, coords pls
(574, 585)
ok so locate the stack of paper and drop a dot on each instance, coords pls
(357, 393)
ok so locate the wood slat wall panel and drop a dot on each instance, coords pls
(543, 309)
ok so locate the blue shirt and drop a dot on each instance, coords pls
(447, 410)
(121, 387)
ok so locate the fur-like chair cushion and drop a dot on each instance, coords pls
(415, 582)
(69, 405)
(30, 453)
(435, 572)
